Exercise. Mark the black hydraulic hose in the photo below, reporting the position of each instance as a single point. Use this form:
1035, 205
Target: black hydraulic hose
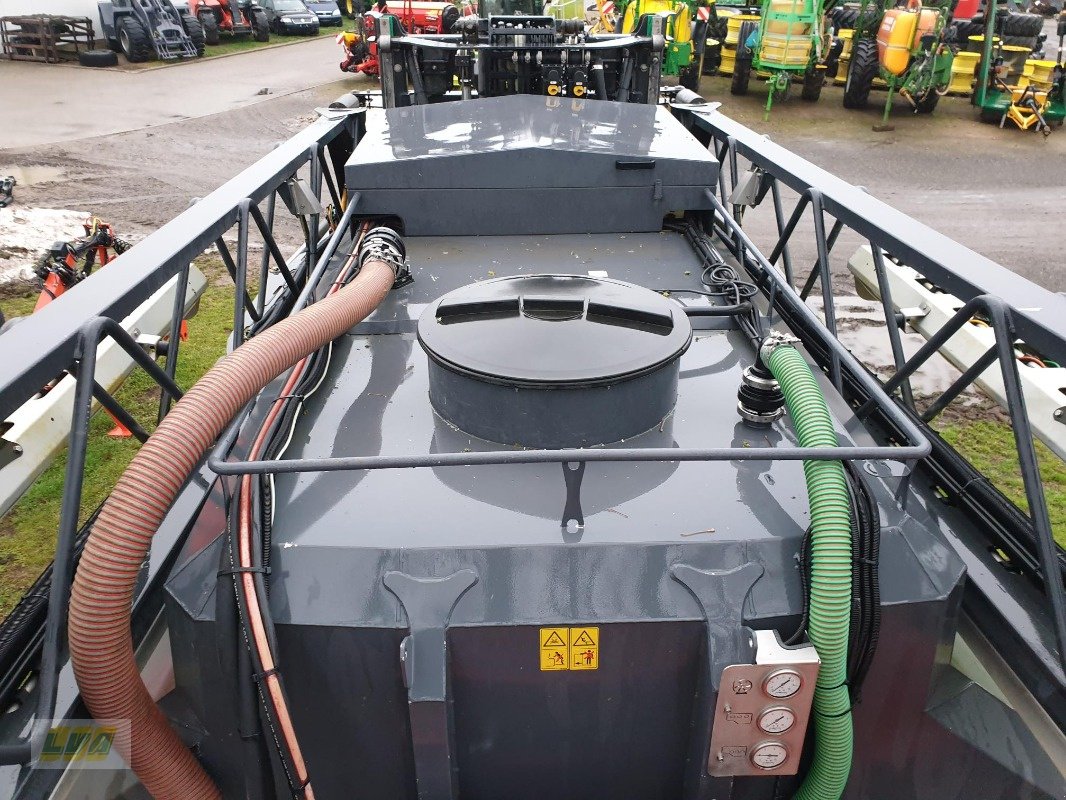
234, 659
248, 658
735, 310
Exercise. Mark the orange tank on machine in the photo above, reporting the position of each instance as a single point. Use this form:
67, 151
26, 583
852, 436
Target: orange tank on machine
900, 30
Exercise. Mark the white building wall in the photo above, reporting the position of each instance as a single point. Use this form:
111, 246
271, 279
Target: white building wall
69, 8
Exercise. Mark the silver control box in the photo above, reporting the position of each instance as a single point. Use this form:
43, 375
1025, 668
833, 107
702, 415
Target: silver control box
763, 710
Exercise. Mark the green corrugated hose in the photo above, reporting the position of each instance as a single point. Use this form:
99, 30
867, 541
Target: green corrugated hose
830, 584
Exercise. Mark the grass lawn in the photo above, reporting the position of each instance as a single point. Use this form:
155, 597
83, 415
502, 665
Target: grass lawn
28, 531
989, 445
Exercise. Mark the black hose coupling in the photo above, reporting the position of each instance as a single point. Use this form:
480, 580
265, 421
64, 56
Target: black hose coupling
385, 244
760, 400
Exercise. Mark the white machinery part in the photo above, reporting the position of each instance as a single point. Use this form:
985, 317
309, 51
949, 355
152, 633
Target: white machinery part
37, 432
927, 311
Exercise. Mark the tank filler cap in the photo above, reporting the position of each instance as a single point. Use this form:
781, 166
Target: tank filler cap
554, 360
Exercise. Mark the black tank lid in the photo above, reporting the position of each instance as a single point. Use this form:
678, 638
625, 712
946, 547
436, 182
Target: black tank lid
553, 330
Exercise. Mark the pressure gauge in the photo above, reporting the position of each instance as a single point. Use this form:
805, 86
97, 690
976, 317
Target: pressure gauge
776, 720
769, 755
783, 683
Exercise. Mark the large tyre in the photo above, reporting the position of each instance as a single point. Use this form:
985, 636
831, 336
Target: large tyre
741, 76
962, 30
926, 104
813, 80
861, 73
742, 65
196, 32
868, 19
98, 58
712, 56
1021, 25
718, 28
133, 40
689, 77
260, 25
1029, 42
209, 22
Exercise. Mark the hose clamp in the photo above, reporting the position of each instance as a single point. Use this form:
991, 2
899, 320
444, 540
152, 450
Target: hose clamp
386, 245
774, 341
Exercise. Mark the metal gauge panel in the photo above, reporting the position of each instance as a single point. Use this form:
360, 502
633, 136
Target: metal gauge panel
763, 710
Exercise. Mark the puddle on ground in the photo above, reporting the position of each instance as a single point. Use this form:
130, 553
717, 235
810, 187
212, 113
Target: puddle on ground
861, 328
32, 176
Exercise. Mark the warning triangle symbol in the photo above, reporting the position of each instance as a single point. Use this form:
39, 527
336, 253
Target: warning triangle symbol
585, 640
555, 640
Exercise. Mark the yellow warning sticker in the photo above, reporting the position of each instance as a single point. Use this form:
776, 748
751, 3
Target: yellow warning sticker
554, 649
584, 648
569, 649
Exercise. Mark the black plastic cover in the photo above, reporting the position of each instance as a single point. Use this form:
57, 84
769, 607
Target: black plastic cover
554, 330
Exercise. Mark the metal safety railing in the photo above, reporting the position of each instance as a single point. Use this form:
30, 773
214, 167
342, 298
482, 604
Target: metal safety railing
65, 337
1014, 308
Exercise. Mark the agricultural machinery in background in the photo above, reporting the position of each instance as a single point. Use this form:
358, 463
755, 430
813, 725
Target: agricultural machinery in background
1005, 91
416, 16
685, 28
790, 42
231, 18
65, 264
143, 29
906, 47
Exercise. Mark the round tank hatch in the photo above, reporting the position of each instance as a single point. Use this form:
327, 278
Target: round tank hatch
553, 360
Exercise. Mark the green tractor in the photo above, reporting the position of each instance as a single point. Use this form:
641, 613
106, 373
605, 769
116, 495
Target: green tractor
686, 34
788, 43
905, 46
1037, 102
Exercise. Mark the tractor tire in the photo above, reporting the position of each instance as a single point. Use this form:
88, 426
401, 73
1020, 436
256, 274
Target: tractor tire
209, 22
1028, 42
870, 19
964, 29
741, 76
712, 56
195, 31
845, 18
813, 81
689, 77
1021, 25
98, 58
260, 25
133, 40
718, 29
927, 104
861, 73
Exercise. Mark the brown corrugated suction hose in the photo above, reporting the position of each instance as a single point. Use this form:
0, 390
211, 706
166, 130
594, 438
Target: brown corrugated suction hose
99, 624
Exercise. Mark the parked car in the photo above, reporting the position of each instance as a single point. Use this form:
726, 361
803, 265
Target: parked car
326, 11
290, 16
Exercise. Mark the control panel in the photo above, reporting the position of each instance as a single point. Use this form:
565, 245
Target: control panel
763, 709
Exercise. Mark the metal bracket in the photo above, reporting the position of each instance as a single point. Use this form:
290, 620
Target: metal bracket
428, 603
721, 595
751, 188
299, 198
573, 472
